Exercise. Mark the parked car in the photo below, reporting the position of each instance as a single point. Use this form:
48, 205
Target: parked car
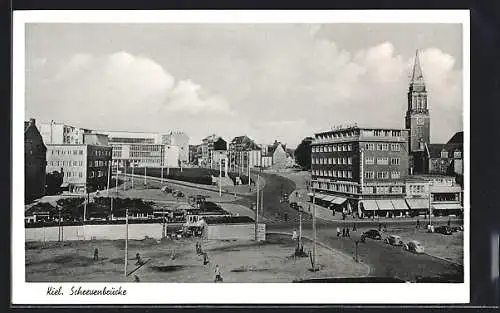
445, 230
294, 205
166, 189
372, 234
414, 246
178, 194
394, 240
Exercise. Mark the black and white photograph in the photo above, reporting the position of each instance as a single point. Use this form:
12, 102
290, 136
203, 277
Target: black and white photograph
244, 152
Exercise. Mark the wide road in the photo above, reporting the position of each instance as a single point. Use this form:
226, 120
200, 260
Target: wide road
385, 260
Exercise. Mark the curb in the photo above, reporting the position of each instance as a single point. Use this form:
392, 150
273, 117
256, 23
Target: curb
444, 259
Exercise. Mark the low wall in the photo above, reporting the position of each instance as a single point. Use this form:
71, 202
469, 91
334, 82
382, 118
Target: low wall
235, 232
97, 232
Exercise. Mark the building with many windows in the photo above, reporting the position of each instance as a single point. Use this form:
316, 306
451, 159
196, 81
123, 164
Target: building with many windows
59, 133
180, 140
244, 152
84, 167
359, 169
447, 159
34, 162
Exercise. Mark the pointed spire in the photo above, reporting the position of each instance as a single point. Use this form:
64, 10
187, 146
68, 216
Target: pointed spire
417, 76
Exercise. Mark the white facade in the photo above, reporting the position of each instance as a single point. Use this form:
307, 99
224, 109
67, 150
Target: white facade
255, 158
180, 140
57, 133
171, 156
267, 161
280, 158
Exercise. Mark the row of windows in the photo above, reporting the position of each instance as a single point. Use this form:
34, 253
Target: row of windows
65, 163
382, 161
332, 160
338, 135
66, 152
333, 173
74, 174
382, 175
99, 163
382, 189
102, 152
332, 148
382, 147
457, 154
93, 174
417, 188
336, 187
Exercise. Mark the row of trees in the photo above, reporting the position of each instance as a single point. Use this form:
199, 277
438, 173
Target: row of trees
303, 153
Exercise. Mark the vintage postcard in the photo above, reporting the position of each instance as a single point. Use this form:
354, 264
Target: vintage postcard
231, 157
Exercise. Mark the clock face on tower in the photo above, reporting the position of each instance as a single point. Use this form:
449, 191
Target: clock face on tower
419, 120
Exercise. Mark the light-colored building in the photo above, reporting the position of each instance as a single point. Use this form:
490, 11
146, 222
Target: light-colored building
84, 167
172, 156
59, 133
208, 145
361, 170
267, 161
181, 140
280, 157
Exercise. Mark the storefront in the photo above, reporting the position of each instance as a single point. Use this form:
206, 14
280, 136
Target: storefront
418, 206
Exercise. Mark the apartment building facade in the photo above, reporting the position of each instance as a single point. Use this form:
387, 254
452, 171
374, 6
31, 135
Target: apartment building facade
59, 133
84, 167
360, 169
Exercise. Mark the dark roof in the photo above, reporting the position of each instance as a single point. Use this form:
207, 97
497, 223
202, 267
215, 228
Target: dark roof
435, 150
211, 220
246, 142
26, 125
458, 138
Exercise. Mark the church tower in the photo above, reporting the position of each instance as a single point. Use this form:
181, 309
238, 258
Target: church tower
417, 118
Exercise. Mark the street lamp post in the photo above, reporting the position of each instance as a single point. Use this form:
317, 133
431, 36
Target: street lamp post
126, 242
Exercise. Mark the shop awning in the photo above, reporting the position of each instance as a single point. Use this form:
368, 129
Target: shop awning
399, 204
329, 198
446, 206
418, 204
385, 205
370, 205
310, 194
339, 200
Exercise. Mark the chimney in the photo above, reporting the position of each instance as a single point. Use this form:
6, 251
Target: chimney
32, 122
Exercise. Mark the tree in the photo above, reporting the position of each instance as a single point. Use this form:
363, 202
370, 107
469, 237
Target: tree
303, 153
53, 182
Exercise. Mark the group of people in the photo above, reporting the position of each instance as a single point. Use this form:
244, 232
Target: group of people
345, 232
199, 251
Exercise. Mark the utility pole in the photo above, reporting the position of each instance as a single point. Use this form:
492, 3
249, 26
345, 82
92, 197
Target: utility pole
145, 169
109, 178
116, 187
133, 165
85, 206
430, 207
126, 242
220, 176
314, 229
162, 175
300, 227
248, 164
124, 175
262, 201
258, 196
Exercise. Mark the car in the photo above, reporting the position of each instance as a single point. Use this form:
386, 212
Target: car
178, 194
294, 205
394, 240
414, 246
166, 189
445, 230
372, 234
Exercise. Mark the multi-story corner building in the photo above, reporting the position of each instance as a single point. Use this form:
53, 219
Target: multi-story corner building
58, 133
360, 170
85, 167
34, 162
417, 120
244, 152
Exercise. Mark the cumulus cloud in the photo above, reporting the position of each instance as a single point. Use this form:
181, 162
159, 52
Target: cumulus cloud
268, 81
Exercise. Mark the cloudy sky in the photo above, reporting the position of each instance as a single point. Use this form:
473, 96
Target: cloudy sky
268, 81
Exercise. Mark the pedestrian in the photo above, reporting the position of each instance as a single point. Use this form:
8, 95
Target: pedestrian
449, 222
138, 258
343, 232
379, 226
418, 223
218, 276
205, 258
338, 232
294, 235
347, 234
96, 254
137, 279
354, 227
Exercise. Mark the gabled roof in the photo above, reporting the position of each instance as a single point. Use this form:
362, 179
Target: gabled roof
457, 138
246, 142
